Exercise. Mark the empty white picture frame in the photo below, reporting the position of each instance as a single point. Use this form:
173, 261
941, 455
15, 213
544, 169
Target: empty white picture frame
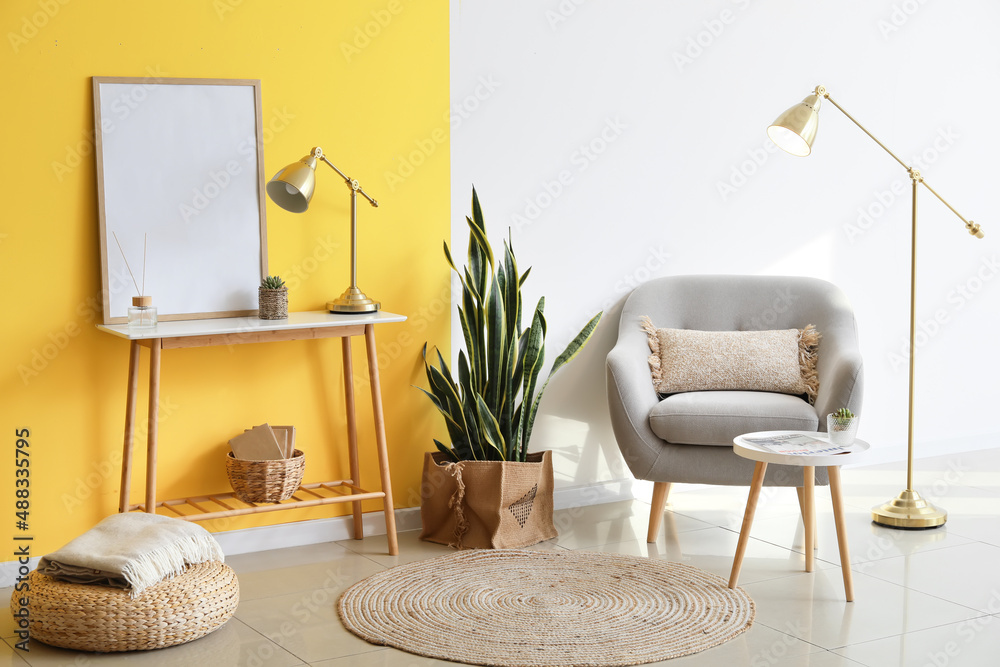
180, 163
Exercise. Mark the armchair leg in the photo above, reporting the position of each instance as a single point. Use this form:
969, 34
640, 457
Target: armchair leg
660, 492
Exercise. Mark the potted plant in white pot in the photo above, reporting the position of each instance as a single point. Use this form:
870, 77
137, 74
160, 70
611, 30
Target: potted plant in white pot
842, 427
484, 489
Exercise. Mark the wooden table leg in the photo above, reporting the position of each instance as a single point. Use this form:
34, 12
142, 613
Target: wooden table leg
130, 398
809, 515
151, 432
383, 452
741, 547
838, 517
352, 434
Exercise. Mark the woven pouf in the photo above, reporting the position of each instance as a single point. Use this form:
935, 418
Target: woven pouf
100, 618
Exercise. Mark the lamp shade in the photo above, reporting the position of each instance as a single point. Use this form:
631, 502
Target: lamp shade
292, 187
795, 130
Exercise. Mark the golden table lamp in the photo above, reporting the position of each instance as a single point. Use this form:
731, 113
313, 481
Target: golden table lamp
292, 189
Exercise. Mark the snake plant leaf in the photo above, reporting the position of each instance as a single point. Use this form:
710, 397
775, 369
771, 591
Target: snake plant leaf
447, 451
495, 326
534, 357
491, 429
447, 254
524, 276
565, 357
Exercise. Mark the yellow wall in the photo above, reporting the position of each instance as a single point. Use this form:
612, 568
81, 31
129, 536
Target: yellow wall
372, 101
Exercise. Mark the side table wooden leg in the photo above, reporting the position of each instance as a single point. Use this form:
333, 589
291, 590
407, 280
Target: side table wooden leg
809, 514
130, 398
838, 517
383, 452
352, 434
151, 432
741, 547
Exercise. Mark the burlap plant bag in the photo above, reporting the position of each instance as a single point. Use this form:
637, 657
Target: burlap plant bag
487, 504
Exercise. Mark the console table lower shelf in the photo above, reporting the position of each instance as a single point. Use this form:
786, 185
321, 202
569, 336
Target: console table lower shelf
182, 334
199, 508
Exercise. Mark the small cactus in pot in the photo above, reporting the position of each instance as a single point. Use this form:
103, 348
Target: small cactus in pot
842, 425
272, 299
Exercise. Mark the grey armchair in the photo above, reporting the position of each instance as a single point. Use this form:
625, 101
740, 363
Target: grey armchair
688, 437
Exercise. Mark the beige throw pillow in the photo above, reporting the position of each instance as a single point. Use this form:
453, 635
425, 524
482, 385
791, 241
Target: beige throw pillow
781, 361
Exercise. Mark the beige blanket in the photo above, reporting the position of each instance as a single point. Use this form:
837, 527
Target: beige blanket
132, 551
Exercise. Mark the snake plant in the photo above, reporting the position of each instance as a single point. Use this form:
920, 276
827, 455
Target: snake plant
490, 407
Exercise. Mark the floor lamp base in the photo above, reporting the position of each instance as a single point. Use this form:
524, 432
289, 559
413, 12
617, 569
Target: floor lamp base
352, 300
909, 511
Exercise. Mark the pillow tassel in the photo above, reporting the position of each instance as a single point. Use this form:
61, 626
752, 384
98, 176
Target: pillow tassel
808, 356
654, 347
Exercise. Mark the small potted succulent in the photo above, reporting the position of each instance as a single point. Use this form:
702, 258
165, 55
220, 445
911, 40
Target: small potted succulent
272, 298
842, 426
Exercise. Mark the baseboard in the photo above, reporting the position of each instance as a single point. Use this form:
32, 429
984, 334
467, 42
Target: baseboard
317, 531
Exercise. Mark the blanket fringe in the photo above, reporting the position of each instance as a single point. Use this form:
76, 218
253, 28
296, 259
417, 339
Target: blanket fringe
808, 356
169, 561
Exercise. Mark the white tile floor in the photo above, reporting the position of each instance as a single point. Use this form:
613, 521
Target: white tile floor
921, 597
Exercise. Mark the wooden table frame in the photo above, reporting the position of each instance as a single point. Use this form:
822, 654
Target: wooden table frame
806, 502
234, 331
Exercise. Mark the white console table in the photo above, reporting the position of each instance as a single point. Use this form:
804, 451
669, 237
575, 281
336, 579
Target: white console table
235, 331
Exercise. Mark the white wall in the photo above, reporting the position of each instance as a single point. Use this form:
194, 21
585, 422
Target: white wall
673, 99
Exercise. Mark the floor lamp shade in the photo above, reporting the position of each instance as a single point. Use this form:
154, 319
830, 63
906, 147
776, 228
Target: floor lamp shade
795, 130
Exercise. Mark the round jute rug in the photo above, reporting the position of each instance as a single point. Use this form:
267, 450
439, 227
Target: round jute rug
515, 607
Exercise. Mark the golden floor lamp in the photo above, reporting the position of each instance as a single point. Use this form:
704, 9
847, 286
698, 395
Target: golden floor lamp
794, 132
292, 189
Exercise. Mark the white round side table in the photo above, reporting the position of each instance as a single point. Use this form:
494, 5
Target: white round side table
832, 461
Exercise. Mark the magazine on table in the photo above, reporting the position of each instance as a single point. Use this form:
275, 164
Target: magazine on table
796, 443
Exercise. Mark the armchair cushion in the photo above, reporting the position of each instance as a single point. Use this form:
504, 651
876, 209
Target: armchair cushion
716, 417
684, 360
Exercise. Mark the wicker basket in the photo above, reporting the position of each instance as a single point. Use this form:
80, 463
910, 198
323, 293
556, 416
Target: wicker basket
88, 617
272, 303
265, 481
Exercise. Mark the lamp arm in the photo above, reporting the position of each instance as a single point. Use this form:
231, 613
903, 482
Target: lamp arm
973, 228
351, 183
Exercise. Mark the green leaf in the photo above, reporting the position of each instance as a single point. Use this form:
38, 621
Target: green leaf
446, 450
491, 429
567, 355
